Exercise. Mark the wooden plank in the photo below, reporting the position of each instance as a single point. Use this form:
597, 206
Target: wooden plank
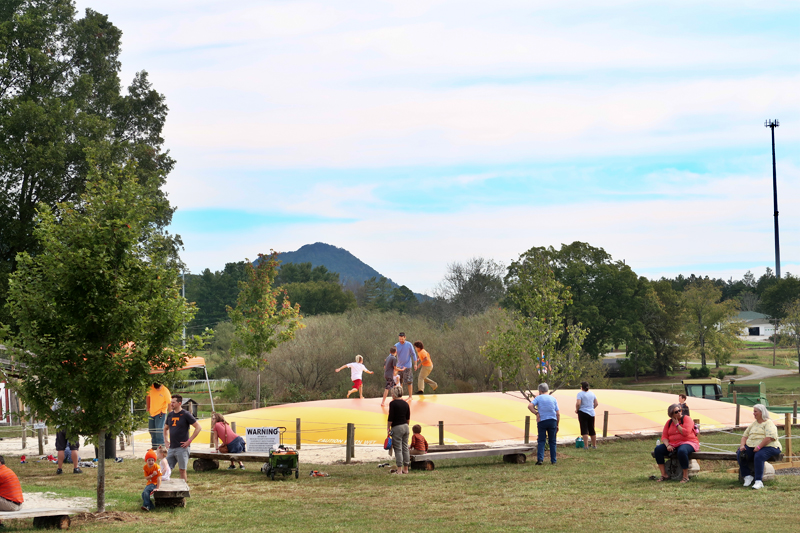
249, 457
725, 456
172, 488
460, 454
33, 513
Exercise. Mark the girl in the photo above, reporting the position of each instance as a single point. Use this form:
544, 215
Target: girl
161, 454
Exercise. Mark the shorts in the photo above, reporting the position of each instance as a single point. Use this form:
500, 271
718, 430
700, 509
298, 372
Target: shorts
389, 383
61, 442
407, 376
356, 383
586, 422
179, 456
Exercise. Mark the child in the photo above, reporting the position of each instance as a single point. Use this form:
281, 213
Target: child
419, 446
153, 476
389, 373
161, 454
356, 371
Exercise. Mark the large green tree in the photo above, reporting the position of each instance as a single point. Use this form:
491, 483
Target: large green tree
603, 293
538, 343
263, 317
97, 306
660, 314
709, 324
213, 293
59, 95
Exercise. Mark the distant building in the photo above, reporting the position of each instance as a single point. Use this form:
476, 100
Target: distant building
758, 324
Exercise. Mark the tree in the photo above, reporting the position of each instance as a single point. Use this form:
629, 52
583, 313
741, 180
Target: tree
774, 300
260, 321
303, 273
660, 315
603, 293
709, 324
97, 307
60, 95
213, 292
791, 320
538, 343
320, 297
472, 287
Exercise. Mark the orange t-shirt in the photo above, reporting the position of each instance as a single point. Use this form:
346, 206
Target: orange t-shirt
10, 488
418, 442
149, 470
425, 358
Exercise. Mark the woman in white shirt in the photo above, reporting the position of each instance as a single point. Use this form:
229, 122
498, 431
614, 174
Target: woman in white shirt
759, 443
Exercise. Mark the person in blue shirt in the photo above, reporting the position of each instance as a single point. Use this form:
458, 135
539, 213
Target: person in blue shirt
405, 354
545, 407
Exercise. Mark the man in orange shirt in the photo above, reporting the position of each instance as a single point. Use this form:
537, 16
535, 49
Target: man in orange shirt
158, 398
10, 490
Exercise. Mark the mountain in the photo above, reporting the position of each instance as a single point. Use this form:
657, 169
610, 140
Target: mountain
349, 267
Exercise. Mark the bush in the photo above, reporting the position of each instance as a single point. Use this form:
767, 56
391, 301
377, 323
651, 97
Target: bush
698, 373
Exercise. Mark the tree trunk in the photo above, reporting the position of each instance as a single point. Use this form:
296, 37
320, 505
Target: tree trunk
101, 472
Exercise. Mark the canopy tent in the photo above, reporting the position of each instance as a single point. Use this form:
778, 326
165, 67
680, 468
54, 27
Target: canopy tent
478, 417
192, 362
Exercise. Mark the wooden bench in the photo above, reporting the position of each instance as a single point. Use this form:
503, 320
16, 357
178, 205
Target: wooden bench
205, 461
171, 493
510, 455
45, 518
674, 470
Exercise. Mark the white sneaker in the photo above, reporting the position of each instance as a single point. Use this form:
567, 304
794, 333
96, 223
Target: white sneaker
748, 480
758, 485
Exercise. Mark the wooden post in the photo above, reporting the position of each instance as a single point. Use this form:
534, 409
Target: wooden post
734, 398
527, 430
441, 433
233, 427
255, 404
787, 430
45, 435
352, 440
212, 439
605, 424
297, 440
40, 437
737, 414
794, 413
122, 442
347, 455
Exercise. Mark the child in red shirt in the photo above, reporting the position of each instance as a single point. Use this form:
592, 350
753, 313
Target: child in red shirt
153, 476
419, 446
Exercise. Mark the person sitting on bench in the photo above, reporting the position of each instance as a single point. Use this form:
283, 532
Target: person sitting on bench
678, 436
759, 443
10, 490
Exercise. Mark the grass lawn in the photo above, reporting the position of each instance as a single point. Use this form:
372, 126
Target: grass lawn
603, 490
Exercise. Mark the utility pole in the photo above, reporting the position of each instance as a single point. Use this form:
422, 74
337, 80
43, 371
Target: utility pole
772, 124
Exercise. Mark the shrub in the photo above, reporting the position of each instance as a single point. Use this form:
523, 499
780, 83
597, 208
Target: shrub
698, 373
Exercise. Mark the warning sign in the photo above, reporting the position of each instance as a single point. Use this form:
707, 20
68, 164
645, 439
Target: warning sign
262, 440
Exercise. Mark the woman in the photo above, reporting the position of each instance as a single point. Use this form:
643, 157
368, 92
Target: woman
678, 435
226, 434
397, 426
584, 407
545, 407
759, 443
425, 367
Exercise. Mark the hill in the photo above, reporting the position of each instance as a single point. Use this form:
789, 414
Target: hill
349, 267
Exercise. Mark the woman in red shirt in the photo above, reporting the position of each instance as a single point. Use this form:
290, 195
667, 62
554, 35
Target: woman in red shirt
678, 436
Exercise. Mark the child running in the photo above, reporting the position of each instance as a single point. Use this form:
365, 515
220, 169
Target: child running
356, 371
153, 476
161, 454
419, 446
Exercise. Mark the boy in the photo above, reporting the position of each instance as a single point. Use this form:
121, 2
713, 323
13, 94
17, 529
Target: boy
357, 369
153, 476
419, 446
390, 368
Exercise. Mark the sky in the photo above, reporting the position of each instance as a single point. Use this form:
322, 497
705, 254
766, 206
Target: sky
416, 134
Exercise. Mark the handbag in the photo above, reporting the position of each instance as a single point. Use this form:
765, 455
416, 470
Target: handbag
387, 444
224, 447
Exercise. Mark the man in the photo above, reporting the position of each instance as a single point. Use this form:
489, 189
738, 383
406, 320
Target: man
548, 417
177, 425
405, 353
10, 490
157, 401
61, 446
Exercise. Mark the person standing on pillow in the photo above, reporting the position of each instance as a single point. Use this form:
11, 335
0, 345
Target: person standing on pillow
405, 354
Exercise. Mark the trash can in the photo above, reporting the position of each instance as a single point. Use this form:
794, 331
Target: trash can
111, 448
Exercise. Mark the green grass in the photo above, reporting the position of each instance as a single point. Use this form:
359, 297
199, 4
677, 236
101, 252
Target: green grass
603, 490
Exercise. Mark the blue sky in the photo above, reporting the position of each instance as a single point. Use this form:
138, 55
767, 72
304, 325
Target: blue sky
419, 133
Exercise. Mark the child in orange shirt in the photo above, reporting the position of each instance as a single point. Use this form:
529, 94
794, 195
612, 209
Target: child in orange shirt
153, 476
419, 446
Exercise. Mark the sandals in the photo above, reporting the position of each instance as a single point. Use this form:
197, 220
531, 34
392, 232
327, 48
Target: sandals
685, 480
662, 478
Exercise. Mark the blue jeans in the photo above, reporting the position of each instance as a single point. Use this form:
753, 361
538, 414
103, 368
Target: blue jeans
547, 430
236, 445
156, 426
683, 454
146, 502
758, 457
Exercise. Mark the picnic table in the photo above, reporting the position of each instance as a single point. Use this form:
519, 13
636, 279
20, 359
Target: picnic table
515, 454
45, 518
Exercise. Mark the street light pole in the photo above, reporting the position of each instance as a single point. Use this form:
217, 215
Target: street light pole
772, 124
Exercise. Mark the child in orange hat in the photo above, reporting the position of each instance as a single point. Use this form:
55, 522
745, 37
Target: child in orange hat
153, 476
